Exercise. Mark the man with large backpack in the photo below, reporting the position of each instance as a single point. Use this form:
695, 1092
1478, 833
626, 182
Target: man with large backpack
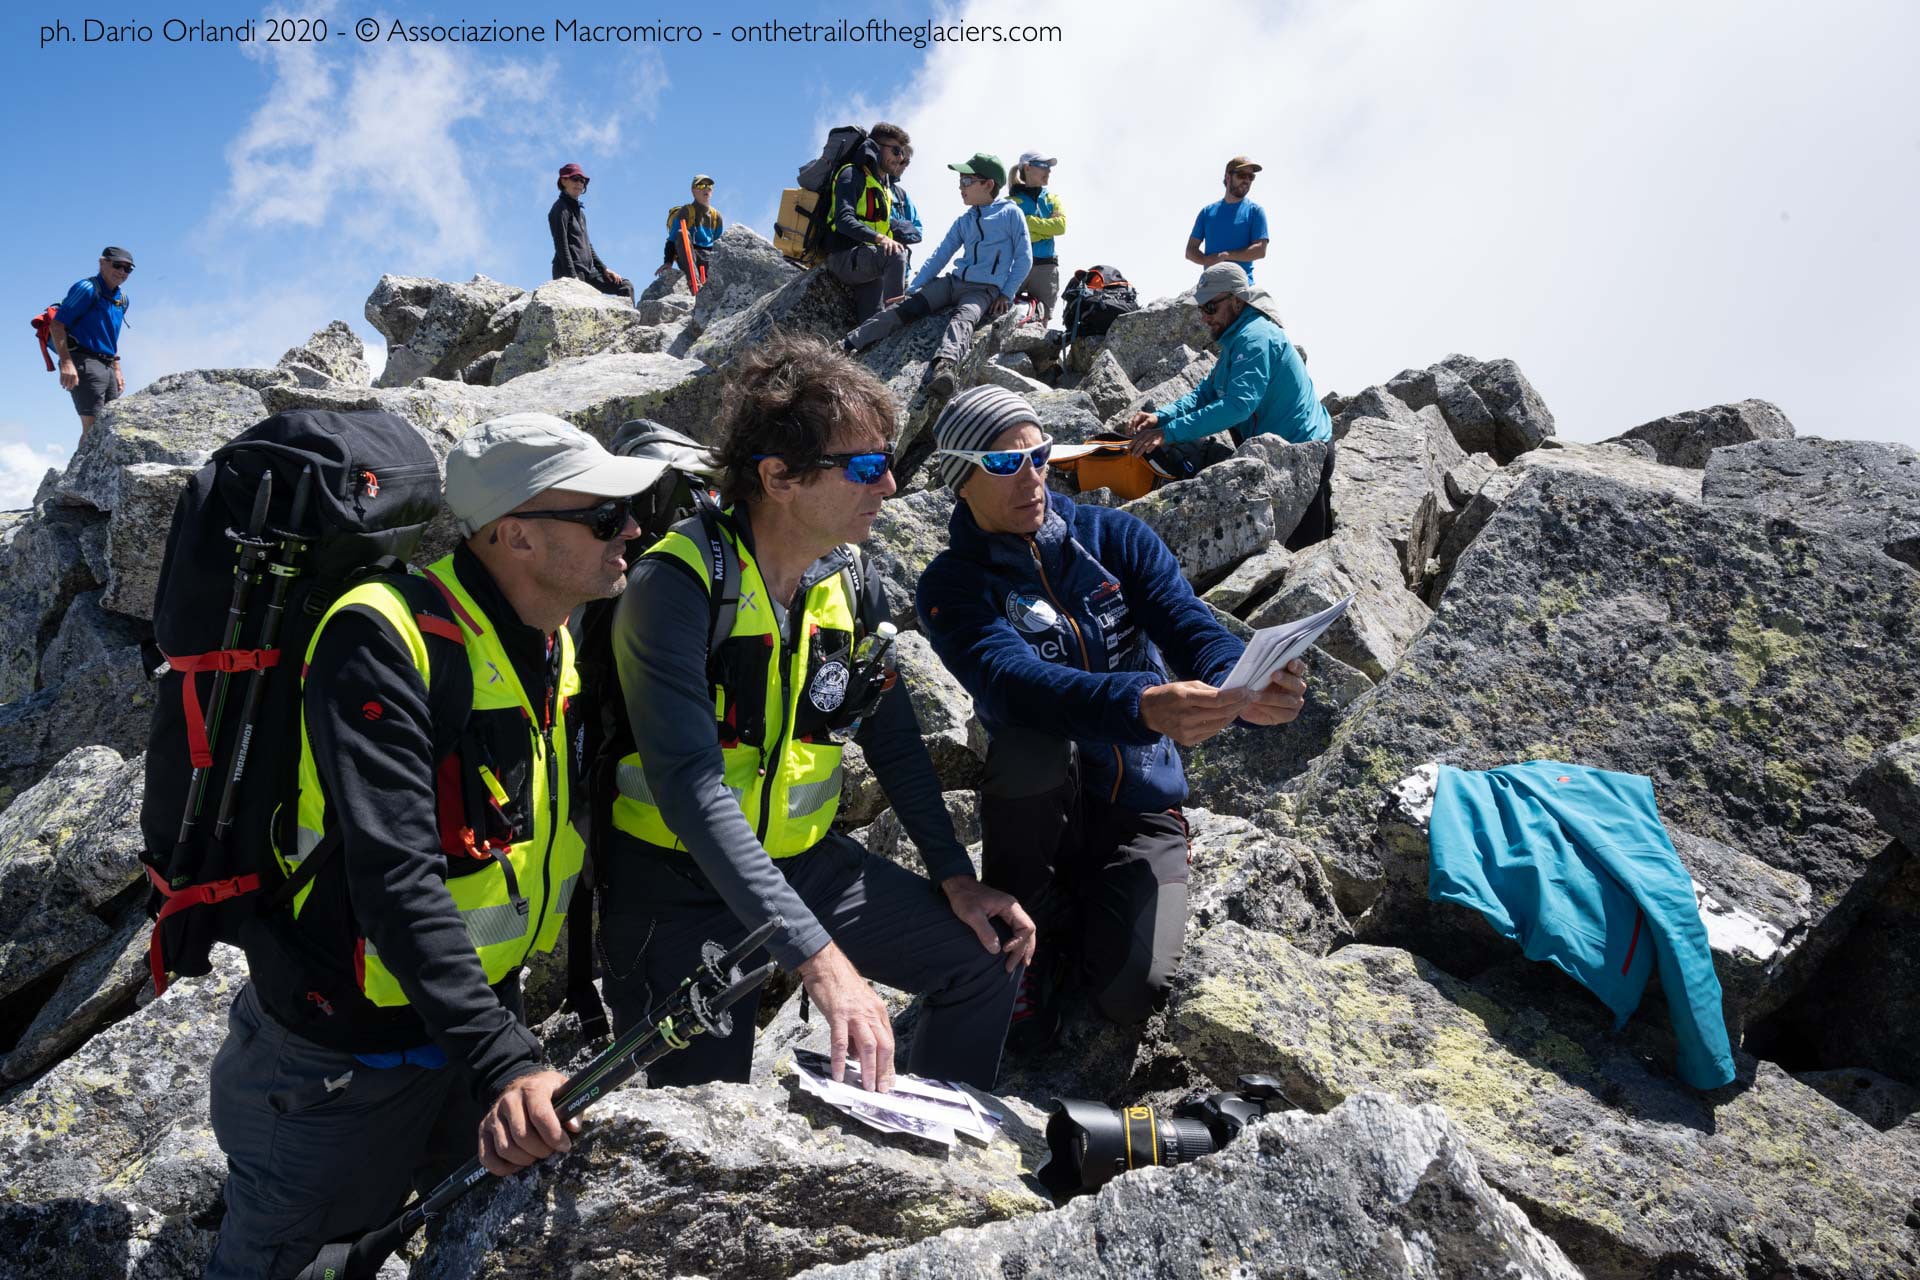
863, 249
380, 1030
750, 645
84, 332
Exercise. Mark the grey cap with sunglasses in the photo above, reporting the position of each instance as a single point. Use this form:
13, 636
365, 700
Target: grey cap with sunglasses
507, 461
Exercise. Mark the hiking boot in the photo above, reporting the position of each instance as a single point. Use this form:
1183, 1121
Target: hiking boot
941, 383
1036, 1014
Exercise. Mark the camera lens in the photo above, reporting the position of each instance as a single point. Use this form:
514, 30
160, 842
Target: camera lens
1091, 1143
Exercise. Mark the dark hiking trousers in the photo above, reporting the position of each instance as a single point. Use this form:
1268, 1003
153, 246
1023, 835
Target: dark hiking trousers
895, 926
965, 306
1316, 524
1106, 886
873, 274
320, 1147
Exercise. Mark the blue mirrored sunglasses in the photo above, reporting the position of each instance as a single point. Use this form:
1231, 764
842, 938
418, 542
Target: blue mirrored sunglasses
860, 468
1003, 462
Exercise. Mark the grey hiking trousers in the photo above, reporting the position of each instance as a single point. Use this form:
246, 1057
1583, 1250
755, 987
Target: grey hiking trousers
896, 927
320, 1147
967, 302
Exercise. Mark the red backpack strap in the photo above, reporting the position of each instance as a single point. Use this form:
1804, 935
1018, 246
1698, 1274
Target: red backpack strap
191, 665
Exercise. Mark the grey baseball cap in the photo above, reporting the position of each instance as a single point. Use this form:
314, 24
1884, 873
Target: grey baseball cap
505, 461
1218, 280
1037, 160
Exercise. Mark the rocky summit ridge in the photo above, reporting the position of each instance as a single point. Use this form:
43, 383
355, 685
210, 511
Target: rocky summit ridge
1706, 599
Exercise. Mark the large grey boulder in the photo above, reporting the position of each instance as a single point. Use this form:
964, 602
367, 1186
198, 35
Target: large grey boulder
1215, 520
333, 356
1867, 490
1257, 878
1070, 417
102, 699
44, 564
886, 838
1242, 769
568, 318
1740, 664
97, 983
907, 534
1624, 1167
1250, 582
1139, 340
1296, 476
814, 302
1372, 1189
1107, 385
178, 420
1488, 405
109, 1160
955, 739
1384, 618
1406, 481
723, 1180
436, 328
137, 534
1890, 787
1189, 372
743, 268
1688, 439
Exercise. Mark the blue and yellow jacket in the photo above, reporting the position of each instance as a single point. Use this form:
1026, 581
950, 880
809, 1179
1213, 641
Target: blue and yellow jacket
1062, 632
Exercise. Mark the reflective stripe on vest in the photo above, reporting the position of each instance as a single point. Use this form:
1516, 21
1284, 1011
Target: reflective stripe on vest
546, 863
874, 207
788, 790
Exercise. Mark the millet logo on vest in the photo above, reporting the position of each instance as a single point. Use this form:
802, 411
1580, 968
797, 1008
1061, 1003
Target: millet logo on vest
829, 687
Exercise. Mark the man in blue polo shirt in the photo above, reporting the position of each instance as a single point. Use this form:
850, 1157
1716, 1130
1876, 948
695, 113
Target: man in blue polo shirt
86, 335
1233, 228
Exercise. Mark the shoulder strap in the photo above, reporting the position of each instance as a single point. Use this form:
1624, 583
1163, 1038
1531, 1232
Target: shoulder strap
857, 580
723, 569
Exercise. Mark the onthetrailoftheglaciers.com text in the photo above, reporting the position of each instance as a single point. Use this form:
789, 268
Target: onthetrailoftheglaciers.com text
297, 30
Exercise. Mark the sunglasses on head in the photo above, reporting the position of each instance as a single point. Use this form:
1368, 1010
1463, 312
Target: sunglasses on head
604, 520
1004, 462
865, 467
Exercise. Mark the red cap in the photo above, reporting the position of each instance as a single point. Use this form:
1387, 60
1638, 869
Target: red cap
573, 171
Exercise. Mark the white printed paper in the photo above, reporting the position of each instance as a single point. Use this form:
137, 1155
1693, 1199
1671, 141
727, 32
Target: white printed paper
1272, 648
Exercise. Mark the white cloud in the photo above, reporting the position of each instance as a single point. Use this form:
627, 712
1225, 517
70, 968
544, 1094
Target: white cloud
1650, 207
22, 466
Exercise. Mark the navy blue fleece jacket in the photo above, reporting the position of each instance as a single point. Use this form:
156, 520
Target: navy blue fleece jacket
1062, 632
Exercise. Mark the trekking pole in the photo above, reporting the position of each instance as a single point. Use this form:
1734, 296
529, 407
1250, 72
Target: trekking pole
251, 549
694, 279
285, 568
698, 1007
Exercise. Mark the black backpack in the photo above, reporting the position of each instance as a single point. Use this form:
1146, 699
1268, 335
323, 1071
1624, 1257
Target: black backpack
842, 148
1094, 298
264, 538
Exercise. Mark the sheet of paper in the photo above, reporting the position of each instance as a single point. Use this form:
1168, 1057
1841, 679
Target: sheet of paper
924, 1108
1272, 648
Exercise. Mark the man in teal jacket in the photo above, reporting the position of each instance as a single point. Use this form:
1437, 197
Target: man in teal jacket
1259, 386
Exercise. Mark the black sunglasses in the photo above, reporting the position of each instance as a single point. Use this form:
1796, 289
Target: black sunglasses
604, 520
865, 467
122, 266
1208, 308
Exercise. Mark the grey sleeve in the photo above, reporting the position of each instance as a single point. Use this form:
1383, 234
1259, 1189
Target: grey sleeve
897, 753
659, 645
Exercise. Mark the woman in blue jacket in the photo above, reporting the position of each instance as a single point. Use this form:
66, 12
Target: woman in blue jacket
1055, 618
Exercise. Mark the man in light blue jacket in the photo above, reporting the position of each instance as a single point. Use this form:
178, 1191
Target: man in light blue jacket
995, 256
1259, 386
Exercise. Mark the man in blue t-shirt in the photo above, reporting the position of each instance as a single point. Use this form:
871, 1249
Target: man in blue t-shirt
1233, 228
86, 336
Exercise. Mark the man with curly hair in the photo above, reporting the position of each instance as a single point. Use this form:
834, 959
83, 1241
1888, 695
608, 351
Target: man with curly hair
738, 650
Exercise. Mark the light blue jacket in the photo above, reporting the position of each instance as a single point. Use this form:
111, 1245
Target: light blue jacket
1573, 864
1259, 386
993, 245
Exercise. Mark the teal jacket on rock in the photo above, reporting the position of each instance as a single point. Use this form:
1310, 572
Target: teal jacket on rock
1259, 386
1573, 864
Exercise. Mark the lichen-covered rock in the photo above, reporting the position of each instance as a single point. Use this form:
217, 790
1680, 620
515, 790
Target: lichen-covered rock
43, 566
97, 983
1163, 391
1172, 365
1014, 373
179, 420
1405, 481
1739, 663
109, 1161
88, 635
1108, 386
1068, 416
1890, 787
1887, 1105
1488, 405
722, 1181
907, 534
1384, 617
568, 318
955, 739
137, 534
1864, 489
107, 701
744, 267
1242, 769
436, 328
813, 303
1688, 439
888, 839
1624, 1167
1372, 1189
1296, 476
1215, 520
1141, 339
1251, 581
1257, 878
333, 356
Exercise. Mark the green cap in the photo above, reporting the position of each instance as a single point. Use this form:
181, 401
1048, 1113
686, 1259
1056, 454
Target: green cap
982, 165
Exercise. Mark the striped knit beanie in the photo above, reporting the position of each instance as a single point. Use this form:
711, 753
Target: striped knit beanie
972, 420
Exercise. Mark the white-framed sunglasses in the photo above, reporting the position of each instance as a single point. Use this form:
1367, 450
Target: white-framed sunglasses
1003, 462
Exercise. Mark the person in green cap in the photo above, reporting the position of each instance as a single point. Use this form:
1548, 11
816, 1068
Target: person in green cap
995, 256
703, 226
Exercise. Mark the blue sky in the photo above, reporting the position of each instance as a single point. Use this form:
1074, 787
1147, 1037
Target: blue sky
1650, 207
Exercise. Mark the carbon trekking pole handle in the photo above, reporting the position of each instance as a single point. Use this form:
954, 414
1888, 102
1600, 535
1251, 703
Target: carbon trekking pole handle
662, 1033
284, 569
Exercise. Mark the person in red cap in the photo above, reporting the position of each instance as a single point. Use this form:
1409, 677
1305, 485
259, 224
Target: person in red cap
573, 255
